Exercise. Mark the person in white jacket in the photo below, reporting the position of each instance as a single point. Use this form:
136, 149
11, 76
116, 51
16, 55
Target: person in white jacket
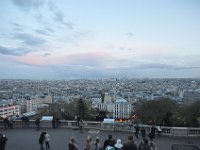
46, 140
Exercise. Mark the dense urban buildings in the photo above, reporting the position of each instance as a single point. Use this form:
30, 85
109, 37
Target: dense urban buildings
120, 95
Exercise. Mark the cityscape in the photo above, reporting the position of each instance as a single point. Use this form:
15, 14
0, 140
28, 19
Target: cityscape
85, 71
22, 96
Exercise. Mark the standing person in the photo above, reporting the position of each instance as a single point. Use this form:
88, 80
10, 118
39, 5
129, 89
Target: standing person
88, 145
118, 145
53, 123
37, 123
144, 145
81, 125
130, 145
57, 122
108, 141
137, 129
41, 140
72, 145
143, 132
3, 140
46, 140
153, 146
152, 133
96, 145
78, 120
6, 122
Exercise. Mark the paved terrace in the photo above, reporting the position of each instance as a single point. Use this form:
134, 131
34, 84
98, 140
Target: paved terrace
27, 138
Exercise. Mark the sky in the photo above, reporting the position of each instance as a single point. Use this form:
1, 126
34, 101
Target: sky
93, 39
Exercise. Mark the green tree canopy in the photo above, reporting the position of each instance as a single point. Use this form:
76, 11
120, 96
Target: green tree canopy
156, 111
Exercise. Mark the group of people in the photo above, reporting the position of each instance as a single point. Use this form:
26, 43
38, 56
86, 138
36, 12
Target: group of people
8, 123
151, 134
44, 139
112, 144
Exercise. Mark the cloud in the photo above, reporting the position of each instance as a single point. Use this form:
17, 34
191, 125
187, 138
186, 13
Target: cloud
52, 6
29, 39
130, 34
28, 5
18, 27
155, 66
43, 32
14, 51
59, 17
46, 54
50, 29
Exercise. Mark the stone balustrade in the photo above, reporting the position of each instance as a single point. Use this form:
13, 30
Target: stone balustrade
125, 127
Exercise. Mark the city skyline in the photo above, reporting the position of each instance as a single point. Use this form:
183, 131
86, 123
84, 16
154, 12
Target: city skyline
95, 39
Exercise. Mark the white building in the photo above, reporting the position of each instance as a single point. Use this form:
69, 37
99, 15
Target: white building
31, 105
9, 109
122, 109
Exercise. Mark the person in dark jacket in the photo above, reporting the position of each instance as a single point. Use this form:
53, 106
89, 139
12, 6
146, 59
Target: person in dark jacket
144, 145
130, 145
108, 141
41, 140
152, 133
3, 140
37, 123
137, 129
72, 145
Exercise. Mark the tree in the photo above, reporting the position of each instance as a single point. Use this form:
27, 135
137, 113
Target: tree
156, 111
82, 109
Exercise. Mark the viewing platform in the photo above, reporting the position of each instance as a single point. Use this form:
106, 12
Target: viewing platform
23, 138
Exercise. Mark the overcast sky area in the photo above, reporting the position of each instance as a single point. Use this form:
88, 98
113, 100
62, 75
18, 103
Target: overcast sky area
70, 39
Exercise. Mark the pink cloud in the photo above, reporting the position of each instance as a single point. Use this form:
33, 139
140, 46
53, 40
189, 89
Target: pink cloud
90, 58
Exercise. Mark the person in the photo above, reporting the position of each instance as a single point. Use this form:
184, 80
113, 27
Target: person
57, 123
96, 145
118, 145
143, 132
153, 146
53, 123
78, 120
137, 131
144, 145
108, 141
6, 123
37, 123
41, 140
88, 145
130, 145
111, 145
3, 140
159, 130
81, 125
10, 123
46, 140
72, 145
152, 133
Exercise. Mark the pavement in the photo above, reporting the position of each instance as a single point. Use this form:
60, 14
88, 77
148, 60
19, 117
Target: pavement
27, 139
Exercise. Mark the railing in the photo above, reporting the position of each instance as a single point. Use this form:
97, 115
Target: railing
184, 147
125, 127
